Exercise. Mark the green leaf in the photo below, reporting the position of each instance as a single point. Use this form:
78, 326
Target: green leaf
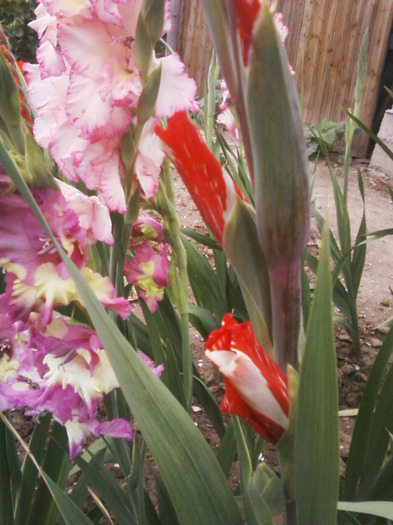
208, 401
56, 465
203, 281
202, 319
227, 451
383, 509
371, 134
359, 252
245, 470
379, 439
37, 445
156, 410
167, 512
103, 483
6, 504
174, 377
362, 438
70, 513
316, 432
201, 238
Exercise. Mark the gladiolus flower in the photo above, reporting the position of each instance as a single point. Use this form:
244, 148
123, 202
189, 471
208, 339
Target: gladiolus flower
62, 369
256, 388
84, 85
212, 189
36, 279
148, 270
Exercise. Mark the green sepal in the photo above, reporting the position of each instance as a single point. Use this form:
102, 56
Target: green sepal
153, 12
143, 47
38, 168
10, 105
128, 151
278, 148
148, 98
266, 494
249, 263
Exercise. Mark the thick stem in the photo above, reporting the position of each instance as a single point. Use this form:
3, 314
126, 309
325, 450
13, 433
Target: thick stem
291, 518
285, 289
166, 206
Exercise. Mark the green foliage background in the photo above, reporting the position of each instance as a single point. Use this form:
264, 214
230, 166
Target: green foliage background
14, 16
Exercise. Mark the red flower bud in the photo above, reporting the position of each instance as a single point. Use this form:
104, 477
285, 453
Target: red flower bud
256, 388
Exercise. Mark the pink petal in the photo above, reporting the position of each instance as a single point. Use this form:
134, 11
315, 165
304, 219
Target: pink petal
50, 60
177, 90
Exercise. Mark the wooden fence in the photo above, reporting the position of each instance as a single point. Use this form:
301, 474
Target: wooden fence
194, 43
323, 48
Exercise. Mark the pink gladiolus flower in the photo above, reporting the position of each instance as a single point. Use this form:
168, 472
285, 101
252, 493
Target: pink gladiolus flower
227, 119
92, 213
36, 279
85, 85
61, 369
256, 389
212, 189
148, 270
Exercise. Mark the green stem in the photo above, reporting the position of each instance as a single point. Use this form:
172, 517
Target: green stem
210, 101
166, 206
286, 308
291, 518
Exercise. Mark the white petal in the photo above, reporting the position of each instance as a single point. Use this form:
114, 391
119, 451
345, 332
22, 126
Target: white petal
249, 382
177, 90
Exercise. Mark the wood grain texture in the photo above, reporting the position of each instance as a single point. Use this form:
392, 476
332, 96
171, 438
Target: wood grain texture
323, 47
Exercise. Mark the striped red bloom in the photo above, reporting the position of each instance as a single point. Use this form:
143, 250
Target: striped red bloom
256, 389
211, 188
247, 12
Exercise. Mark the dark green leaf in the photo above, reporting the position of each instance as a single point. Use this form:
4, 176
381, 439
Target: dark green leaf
316, 433
362, 434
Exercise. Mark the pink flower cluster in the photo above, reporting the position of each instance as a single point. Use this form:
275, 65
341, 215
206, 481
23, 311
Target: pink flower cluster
86, 88
47, 362
87, 94
60, 368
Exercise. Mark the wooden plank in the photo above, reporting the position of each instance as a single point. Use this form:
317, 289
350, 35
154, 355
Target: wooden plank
380, 27
323, 47
194, 44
